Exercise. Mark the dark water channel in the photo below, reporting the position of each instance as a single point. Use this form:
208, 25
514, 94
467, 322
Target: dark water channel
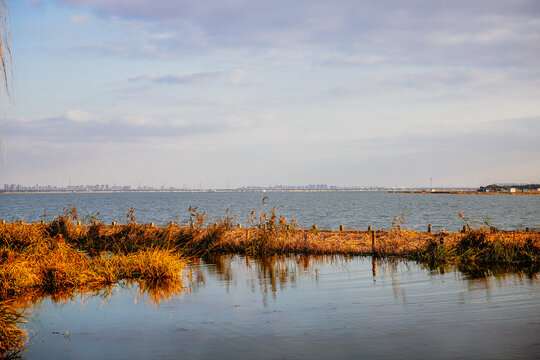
237, 307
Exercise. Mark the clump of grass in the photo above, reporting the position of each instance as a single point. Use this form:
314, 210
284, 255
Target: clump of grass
64, 224
435, 252
482, 247
52, 264
16, 236
273, 234
150, 264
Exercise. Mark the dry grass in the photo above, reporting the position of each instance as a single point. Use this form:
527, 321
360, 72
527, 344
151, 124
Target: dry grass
31, 259
270, 237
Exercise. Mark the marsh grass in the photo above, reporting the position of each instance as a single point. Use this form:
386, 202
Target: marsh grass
31, 259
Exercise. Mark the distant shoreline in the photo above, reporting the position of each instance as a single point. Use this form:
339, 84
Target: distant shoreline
464, 192
186, 191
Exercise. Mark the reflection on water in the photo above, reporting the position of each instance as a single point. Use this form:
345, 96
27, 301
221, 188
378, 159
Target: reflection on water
13, 312
297, 307
158, 291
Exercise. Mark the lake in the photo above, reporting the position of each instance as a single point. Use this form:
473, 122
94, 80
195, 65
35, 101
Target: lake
299, 307
353, 209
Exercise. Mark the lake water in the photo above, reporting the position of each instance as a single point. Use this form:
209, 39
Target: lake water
299, 308
327, 209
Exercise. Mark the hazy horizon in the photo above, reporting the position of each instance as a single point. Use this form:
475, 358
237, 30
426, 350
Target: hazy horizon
246, 93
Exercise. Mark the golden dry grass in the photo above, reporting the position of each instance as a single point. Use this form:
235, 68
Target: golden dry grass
30, 259
92, 240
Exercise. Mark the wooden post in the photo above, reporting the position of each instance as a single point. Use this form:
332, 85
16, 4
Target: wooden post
113, 223
42, 222
373, 241
464, 229
527, 229
3, 222
429, 229
239, 226
247, 235
151, 224
315, 227
341, 228
369, 228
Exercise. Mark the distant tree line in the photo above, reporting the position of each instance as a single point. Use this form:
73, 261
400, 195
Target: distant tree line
496, 187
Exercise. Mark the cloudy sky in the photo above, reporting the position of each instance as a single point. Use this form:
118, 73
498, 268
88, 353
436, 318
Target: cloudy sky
249, 92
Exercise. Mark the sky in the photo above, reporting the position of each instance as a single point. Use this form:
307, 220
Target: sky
247, 92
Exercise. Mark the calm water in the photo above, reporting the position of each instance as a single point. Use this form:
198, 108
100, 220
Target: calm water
299, 308
327, 209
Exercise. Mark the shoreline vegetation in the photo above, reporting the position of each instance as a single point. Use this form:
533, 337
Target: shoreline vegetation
67, 255
463, 192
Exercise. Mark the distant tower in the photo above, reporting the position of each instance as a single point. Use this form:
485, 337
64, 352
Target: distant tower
430, 183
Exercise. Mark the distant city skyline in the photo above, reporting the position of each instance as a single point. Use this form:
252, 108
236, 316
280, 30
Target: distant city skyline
114, 187
277, 187
228, 94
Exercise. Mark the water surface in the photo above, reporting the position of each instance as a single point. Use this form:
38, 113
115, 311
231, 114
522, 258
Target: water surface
327, 209
300, 307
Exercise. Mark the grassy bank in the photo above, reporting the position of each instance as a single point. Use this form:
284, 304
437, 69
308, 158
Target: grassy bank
107, 252
33, 259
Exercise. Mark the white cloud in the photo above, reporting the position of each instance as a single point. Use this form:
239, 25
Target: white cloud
83, 116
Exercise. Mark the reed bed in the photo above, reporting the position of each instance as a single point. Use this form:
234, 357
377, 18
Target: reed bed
86, 244
52, 266
91, 249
